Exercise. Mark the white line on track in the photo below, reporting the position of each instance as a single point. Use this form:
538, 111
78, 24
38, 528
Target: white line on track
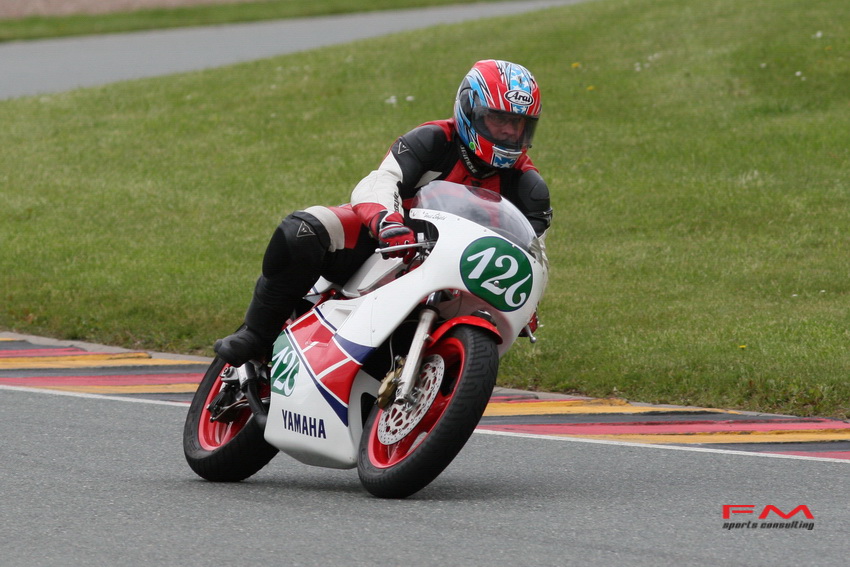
93, 396
479, 431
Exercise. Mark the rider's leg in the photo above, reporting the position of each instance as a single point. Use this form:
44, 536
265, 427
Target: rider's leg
292, 263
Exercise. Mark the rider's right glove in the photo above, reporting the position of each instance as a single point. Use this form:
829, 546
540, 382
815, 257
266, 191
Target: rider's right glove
391, 231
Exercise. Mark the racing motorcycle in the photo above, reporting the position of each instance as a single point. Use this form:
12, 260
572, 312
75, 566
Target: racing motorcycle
391, 372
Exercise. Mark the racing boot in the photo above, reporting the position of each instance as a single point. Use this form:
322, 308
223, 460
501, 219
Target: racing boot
241, 346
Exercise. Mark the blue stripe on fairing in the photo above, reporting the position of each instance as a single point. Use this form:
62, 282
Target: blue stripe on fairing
356, 351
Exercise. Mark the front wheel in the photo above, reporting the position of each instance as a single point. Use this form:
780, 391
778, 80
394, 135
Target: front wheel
221, 440
403, 449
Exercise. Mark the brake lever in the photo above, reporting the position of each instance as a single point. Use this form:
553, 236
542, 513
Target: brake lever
428, 244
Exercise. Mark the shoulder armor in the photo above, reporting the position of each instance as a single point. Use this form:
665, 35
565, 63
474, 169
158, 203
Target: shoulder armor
426, 143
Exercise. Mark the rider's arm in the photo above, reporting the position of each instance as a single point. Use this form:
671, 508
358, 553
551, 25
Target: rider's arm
532, 198
534, 195
404, 168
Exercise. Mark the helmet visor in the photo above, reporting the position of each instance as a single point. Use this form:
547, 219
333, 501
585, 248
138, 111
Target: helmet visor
506, 129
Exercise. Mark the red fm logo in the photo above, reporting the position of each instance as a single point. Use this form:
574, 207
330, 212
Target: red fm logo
729, 509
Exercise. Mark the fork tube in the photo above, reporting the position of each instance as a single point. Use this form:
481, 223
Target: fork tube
414, 358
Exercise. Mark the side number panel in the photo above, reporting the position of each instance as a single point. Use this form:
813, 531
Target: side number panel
497, 272
285, 366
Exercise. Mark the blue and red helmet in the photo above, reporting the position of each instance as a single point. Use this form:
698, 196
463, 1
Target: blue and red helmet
496, 111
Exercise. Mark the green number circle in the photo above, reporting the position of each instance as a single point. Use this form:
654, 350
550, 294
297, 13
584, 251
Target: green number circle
497, 272
285, 366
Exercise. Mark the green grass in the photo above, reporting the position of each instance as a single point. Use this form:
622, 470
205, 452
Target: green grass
40, 27
697, 151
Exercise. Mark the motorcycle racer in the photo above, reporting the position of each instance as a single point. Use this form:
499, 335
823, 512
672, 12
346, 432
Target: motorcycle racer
483, 144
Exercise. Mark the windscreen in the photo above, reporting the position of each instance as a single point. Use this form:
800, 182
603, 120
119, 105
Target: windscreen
480, 206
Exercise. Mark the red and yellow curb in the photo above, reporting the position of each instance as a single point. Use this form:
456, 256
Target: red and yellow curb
621, 421
140, 374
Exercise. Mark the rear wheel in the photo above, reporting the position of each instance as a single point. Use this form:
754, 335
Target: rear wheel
221, 440
403, 449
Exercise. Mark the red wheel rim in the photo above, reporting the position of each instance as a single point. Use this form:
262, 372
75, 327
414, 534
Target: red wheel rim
385, 456
215, 434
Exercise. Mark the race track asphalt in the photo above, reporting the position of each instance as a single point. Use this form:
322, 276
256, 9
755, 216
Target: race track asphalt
47, 66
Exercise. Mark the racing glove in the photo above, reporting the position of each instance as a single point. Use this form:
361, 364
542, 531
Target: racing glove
391, 231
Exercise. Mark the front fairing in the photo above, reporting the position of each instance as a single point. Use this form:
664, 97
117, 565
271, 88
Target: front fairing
484, 252
485, 273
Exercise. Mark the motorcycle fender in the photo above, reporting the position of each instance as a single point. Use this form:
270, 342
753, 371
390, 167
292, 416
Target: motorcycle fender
466, 320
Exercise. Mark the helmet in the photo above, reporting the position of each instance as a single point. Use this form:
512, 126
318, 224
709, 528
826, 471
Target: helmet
496, 111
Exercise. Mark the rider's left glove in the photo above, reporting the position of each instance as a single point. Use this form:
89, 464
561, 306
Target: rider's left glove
391, 231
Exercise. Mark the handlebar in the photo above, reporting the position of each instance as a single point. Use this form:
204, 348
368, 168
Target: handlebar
425, 244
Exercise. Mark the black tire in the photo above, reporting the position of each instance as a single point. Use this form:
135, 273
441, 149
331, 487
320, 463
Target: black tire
222, 451
398, 468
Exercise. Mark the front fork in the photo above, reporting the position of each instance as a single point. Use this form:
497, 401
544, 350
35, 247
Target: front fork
398, 386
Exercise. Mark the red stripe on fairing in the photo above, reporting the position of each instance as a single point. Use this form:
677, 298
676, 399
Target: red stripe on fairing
819, 454
682, 427
328, 364
104, 380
